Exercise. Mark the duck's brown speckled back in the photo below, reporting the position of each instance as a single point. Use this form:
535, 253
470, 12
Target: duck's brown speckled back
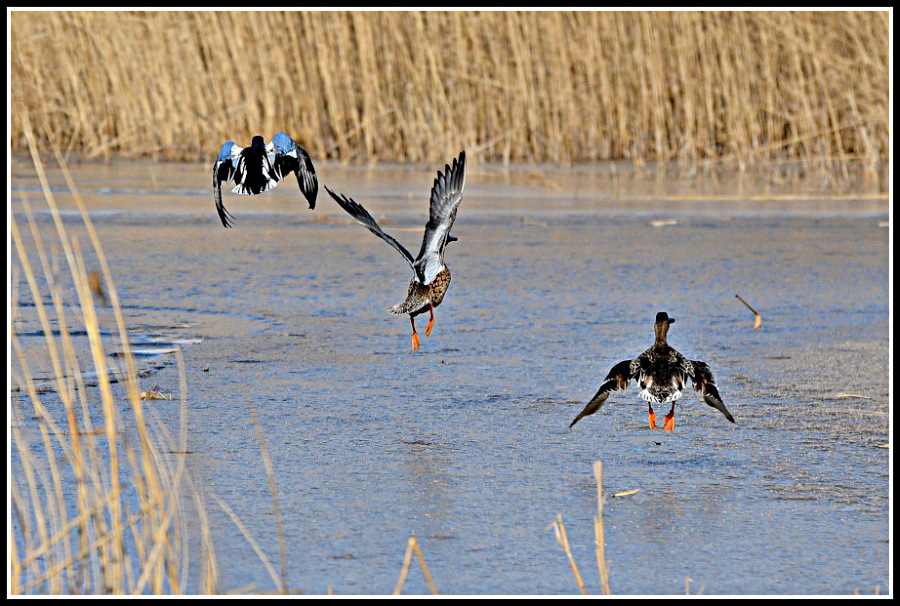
419, 296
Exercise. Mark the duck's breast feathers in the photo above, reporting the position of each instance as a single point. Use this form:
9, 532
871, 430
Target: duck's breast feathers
446, 194
362, 216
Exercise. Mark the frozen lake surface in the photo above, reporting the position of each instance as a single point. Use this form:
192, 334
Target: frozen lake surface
557, 276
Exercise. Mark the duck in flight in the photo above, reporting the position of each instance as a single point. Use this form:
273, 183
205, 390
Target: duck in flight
259, 167
662, 373
431, 276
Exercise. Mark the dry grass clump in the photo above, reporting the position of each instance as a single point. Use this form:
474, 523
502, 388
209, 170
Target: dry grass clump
689, 87
98, 489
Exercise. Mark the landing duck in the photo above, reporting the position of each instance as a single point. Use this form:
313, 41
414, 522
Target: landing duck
431, 276
662, 373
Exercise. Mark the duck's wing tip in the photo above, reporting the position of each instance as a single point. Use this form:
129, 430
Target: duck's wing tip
306, 177
446, 194
290, 157
618, 378
705, 383
220, 175
362, 216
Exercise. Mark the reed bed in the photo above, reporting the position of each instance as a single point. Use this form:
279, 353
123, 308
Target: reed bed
100, 499
533, 87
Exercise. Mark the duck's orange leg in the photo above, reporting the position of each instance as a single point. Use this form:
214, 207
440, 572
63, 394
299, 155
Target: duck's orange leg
670, 420
431, 321
415, 337
652, 417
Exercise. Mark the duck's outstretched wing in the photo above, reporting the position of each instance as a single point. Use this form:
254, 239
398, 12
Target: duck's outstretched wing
291, 158
446, 194
355, 210
223, 171
704, 382
618, 378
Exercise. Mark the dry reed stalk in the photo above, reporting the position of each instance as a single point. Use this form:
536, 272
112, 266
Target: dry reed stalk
559, 529
412, 546
687, 587
737, 88
561, 538
758, 320
267, 563
273, 489
602, 564
111, 542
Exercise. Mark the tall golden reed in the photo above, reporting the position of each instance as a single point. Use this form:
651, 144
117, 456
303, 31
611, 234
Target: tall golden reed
98, 489
418, 86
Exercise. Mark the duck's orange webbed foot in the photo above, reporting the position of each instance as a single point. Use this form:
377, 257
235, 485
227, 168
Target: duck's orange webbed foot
652, 417
670, 421
430, 321
415, 337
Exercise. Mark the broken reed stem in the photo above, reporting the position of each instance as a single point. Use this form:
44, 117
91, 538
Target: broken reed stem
413, 546
602, 564
560, 530
758, 322
273, 488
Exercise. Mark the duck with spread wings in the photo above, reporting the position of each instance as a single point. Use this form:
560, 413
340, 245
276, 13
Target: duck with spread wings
662, 373
431, 276
259, 167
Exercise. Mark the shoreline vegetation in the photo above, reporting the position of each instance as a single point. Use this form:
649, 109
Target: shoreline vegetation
98, 484
732, 89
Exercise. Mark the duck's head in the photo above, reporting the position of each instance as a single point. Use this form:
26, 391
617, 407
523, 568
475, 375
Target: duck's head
662, 326
663, 318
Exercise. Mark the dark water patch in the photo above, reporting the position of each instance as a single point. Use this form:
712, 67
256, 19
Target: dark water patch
59, 333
